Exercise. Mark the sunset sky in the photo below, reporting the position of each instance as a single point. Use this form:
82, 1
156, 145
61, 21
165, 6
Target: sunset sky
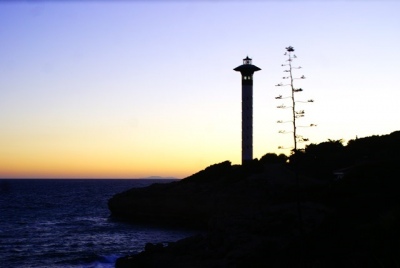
130, 89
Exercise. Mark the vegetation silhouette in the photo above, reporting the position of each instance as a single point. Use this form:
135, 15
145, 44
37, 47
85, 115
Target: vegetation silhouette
321, 160
296, 114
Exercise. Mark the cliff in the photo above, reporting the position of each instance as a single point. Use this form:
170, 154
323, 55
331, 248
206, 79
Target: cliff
244, 209
258, 216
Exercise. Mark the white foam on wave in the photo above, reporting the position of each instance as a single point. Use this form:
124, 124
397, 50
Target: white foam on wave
105, 262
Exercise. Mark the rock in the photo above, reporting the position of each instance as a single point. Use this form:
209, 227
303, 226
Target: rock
152, 248
219, 189
257, 215
233, 204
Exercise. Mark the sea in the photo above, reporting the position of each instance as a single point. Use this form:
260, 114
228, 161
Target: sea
66, 223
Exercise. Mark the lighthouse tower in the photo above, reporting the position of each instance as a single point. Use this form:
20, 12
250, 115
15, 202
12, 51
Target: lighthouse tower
247, 70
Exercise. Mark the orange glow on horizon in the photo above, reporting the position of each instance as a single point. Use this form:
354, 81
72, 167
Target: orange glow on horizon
98, 165
97, 168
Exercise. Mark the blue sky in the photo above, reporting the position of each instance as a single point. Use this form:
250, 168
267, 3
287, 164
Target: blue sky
133, 89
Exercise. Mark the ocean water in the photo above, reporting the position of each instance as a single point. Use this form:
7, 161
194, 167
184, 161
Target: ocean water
66, 223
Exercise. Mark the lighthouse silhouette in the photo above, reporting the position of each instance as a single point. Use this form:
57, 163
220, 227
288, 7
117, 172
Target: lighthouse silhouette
247, 70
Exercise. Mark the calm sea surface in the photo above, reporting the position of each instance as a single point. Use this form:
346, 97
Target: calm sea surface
66, 223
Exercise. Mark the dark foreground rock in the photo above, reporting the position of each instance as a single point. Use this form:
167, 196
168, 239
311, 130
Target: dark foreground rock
256, 216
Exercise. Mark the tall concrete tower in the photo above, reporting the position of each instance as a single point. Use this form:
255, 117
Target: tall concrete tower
247, 70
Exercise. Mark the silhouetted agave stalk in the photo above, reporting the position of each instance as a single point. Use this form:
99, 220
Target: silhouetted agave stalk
296, 114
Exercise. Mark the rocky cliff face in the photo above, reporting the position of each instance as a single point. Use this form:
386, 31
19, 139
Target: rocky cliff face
258, 216
218, 190
244, 210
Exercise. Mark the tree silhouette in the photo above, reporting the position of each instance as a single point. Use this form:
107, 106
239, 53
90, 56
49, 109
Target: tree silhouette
296, 114
271, 158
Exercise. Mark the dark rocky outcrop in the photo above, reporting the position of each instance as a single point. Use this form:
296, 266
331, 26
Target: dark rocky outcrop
250, 214
193, 201
244, 210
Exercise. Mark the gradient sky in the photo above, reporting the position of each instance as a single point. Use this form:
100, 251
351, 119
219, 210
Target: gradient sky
133, 89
